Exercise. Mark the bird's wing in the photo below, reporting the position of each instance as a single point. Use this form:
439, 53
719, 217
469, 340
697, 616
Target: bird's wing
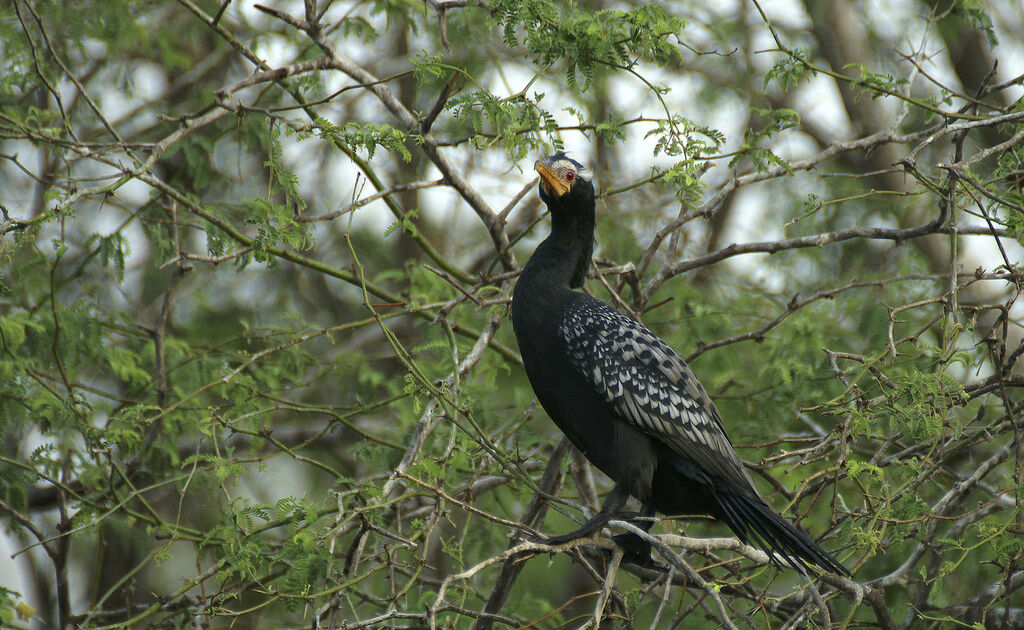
649, 386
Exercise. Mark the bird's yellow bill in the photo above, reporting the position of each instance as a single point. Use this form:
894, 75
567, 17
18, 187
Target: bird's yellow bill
551, 182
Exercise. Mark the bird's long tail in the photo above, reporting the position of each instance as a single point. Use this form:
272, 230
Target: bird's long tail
755, 523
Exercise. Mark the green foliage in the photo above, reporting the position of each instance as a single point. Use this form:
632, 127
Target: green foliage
281, 179
772, 121
276, 226
587, 40
920, 403
358, 27
370, 137
680, 136
197, 150
112, 251
427, 67
506, 122
973, 12
789, 70
873, 83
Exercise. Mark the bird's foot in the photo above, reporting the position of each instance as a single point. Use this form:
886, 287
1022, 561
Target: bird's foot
554, 541
636, 550
593, 525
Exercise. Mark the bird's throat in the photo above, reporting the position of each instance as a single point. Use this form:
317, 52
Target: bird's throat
564, 256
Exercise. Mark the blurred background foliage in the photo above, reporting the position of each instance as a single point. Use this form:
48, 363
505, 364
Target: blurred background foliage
256, 365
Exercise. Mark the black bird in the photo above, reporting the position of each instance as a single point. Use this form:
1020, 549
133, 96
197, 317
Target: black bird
624, 398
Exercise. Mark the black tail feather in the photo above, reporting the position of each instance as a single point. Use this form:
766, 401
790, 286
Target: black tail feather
755, 523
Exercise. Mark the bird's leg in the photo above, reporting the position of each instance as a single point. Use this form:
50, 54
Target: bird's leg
636, 549
615, 501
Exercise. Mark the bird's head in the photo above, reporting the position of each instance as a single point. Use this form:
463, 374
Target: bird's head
564, 181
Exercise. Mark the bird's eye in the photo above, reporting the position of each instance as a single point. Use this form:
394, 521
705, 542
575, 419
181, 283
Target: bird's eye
570, 176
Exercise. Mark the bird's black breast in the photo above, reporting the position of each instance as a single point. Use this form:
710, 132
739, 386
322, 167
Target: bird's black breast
613, 446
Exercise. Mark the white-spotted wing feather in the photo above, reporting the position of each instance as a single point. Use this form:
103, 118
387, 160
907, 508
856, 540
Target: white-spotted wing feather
649, 385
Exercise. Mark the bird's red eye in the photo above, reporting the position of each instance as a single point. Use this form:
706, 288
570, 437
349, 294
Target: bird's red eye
570, 176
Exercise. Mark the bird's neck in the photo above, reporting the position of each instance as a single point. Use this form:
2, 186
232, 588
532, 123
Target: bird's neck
564, 256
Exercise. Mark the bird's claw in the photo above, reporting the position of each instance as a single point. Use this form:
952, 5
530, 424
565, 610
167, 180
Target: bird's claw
636, 550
